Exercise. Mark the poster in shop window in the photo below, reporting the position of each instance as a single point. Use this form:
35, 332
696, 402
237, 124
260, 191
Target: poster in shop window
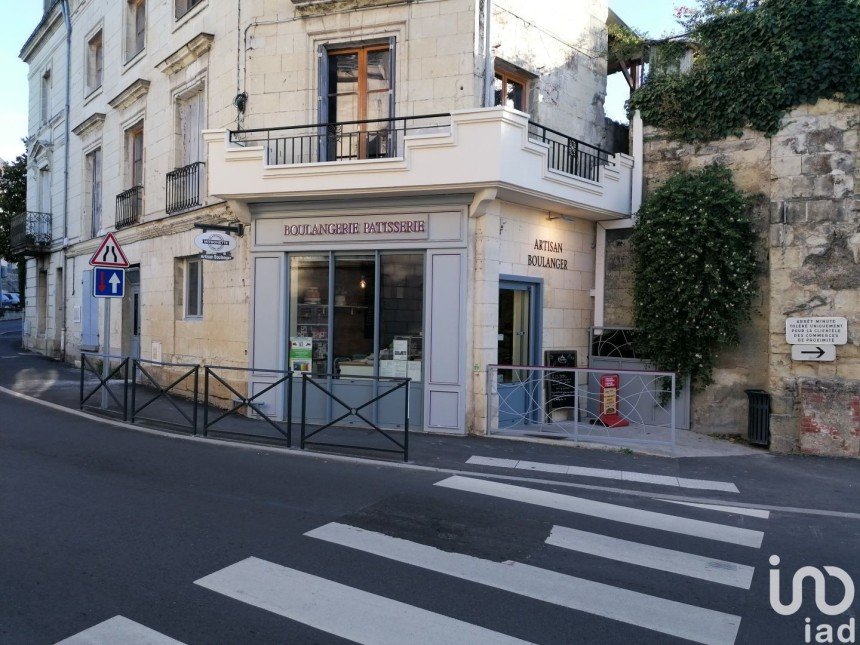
301, 353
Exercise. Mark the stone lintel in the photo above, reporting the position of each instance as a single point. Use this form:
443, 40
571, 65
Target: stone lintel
92, 122
187, 54
321, 7
130, 94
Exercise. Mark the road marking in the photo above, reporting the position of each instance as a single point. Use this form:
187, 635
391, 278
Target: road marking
344, 611
604, 473
651, 612
653, 557
739, 510
119, 629
614, 512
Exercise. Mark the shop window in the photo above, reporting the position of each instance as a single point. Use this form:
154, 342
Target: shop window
193, 288
93, 188
354, 320
309, 310
135, 28
511, 89
371, 317
95, 63
356, 84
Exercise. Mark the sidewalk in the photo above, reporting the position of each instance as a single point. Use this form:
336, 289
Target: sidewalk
757, 472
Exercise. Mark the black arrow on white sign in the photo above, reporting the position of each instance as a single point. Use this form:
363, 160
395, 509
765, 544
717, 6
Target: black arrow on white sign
817, 351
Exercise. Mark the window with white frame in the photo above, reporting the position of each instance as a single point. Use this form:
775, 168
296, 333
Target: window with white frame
134, 155
95, 62
184, 6
93, 187
190, 117
135, 28
45, 96
194, 288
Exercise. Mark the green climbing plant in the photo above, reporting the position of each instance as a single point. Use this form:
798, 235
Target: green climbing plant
755, 61
695, 271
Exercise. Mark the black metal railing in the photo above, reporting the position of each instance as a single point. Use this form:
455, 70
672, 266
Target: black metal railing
250, 403
183, 187
343, 141
361, 412
129, 206
30, 233
92, 366
161, 384
570, 155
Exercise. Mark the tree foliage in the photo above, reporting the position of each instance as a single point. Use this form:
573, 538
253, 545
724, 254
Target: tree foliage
695, 271
13, 199
755, 61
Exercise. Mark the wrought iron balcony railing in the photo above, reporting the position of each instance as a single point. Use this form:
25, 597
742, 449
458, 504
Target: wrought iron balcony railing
343, 141
183, 187
570, 155
30, 233
129, 206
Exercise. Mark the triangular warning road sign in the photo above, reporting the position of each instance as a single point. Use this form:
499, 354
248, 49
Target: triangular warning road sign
109, 254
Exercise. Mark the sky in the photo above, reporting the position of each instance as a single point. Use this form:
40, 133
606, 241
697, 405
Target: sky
18, 18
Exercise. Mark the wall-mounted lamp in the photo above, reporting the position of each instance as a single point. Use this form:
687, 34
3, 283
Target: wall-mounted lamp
362, 283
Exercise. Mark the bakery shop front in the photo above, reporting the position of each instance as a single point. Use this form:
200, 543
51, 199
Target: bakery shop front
376, 291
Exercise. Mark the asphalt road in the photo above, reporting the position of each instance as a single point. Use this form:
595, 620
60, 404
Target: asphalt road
99, 522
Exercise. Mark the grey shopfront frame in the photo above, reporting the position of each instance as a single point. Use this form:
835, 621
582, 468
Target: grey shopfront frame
438, 403
322, 408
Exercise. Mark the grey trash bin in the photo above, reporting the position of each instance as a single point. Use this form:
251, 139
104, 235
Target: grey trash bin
758, 423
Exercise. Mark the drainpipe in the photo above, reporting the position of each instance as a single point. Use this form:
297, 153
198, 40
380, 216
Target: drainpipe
487, 99
67, 19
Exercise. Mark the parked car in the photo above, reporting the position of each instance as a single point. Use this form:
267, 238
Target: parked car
10, 301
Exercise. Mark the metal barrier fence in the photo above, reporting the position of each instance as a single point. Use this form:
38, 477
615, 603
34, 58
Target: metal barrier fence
162, 392
584, 404
170, 395
250, 403
93, 364
355, 411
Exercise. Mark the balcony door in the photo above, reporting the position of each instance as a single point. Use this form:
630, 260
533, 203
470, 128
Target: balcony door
356, 100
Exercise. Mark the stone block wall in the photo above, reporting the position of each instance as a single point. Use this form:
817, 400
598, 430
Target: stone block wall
505, 237
807, 216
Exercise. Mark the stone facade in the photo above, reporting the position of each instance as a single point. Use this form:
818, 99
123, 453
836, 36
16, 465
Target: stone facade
268, 51
808, 220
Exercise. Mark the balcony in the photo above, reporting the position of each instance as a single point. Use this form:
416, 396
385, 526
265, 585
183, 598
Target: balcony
464, 152
30, 233
182, 191
129, 206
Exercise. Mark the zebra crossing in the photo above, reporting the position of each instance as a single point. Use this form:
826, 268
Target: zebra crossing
360, 616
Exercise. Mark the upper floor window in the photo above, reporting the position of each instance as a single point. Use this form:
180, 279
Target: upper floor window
135, 28
134, 154
190, 116
184, 6
94, 190
358, 86
511, 89
45, 96
95, 62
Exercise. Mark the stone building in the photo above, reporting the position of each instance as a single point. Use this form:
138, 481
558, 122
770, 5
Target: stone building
389, 168
808, 220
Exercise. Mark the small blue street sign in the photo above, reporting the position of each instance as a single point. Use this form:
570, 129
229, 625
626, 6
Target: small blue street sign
108, 283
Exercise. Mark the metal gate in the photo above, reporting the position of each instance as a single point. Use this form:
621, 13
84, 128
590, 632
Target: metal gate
614, 348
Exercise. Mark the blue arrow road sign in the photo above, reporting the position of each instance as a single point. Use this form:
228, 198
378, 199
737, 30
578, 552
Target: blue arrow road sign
108, 283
